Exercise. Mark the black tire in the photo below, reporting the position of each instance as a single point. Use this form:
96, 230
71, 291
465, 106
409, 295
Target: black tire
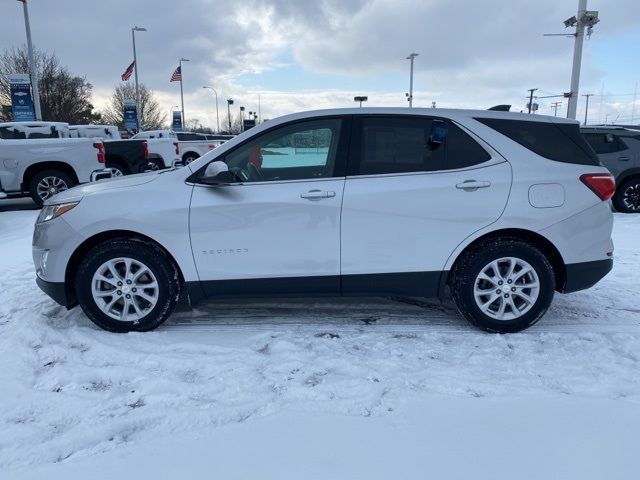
59, 175
154, 165
156, 259
627, 196
189, 157
116, 168
469, 266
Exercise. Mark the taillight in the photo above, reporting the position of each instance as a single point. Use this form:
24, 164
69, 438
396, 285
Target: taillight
100, 148
175, 144
145, 150
602, 184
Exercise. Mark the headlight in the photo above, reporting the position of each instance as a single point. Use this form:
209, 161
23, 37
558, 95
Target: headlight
54, 211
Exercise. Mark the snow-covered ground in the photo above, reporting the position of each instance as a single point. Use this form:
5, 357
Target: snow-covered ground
320, 389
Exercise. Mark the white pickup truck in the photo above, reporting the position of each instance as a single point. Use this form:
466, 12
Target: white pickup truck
42, 167
163, 151
190, 145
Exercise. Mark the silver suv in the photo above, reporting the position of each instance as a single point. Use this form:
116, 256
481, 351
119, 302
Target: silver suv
618, 149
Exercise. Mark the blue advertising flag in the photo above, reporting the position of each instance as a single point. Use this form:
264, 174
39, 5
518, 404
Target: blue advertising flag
130, 115
176, 124
21, 100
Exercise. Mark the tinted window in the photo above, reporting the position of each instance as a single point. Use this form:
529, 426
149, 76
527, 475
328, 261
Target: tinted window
190, 136
395, 145
604, 142
297, 151
10, 133
560, 142
462, 150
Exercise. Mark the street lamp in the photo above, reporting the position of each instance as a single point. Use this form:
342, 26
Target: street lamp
32, 63
410, 94
217, 112
184, 123
135, 70
360, 99
229, 103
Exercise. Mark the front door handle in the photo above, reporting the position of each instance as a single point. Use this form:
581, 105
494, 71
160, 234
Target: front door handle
317, 194
624, 159
472, 185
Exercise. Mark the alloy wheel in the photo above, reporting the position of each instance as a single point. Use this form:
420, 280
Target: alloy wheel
631, 197
49, 186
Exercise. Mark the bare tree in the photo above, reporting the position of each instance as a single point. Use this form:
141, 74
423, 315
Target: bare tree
150, 116
236, 124
64, 97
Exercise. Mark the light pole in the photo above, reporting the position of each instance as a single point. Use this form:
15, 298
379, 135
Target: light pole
135, 70
217, 112
229, 103
360, 99
32, 63
586, 108
410, 95
184, 122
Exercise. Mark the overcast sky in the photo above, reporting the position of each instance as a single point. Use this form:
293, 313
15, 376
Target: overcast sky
306, 54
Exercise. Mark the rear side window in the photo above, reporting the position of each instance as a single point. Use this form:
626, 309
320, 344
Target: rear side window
462, 150
560, 142
604, 143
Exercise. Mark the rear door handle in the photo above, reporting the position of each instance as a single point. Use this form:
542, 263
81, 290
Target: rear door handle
472, 185
624, 159
317, 194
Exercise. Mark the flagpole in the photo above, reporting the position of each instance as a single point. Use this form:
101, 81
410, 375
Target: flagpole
135, 69
184, 123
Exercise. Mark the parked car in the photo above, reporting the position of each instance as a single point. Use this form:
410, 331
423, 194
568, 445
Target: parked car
106, 132
126, 157
618, 149
500, 208
33, 130
161, 152
40, 168
190, 145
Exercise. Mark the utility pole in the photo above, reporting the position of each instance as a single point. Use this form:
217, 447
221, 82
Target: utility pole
184, 122
32, 63
555, 106
259, 112
410, 95
530, 106
586, 108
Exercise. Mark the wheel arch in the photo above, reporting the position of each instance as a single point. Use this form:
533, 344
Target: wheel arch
627, 175
539, 241
35, 168
82, 249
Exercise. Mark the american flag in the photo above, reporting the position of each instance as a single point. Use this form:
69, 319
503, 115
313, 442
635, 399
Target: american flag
127, 73
177, 75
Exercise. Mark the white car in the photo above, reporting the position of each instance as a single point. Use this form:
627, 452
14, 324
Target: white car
501, 209
190, 145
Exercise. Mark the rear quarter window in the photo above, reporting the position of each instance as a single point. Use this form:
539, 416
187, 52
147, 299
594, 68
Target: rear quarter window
559, 142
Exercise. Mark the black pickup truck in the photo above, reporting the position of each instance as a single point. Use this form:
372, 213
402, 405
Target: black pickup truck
125, 157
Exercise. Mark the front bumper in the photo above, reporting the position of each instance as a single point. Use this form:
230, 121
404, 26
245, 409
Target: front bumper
585, 274
55, 290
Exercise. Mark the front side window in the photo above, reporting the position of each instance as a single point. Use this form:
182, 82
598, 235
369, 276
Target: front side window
298, 151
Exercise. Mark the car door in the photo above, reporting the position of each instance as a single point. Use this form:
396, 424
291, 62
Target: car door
277, 230
612, 152
409, 201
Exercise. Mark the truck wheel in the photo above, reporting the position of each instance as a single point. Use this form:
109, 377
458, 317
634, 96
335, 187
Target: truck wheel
116, 170
627, 196
189, 157
127, 285
503, 285
47, 183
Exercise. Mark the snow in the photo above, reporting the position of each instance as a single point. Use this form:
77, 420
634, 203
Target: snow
364, 388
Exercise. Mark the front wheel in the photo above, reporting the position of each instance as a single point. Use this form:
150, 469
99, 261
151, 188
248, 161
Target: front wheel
627, 196
503, 285
127, 285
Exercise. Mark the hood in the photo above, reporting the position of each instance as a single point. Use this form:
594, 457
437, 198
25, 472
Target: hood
76, 193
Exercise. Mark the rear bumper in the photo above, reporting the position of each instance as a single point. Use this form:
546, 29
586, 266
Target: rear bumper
55, 290
100, 175
585, 274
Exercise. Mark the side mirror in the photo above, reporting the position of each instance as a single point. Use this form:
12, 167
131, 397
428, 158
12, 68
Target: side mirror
438, 133
217, 173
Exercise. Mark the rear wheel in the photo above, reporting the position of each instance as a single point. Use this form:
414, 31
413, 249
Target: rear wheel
127, 285
189, 157
47, 183
116, 170
503, 285
627, 196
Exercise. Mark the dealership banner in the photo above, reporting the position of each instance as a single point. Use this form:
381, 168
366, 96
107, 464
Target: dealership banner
176, 124
130, 115
21, 99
